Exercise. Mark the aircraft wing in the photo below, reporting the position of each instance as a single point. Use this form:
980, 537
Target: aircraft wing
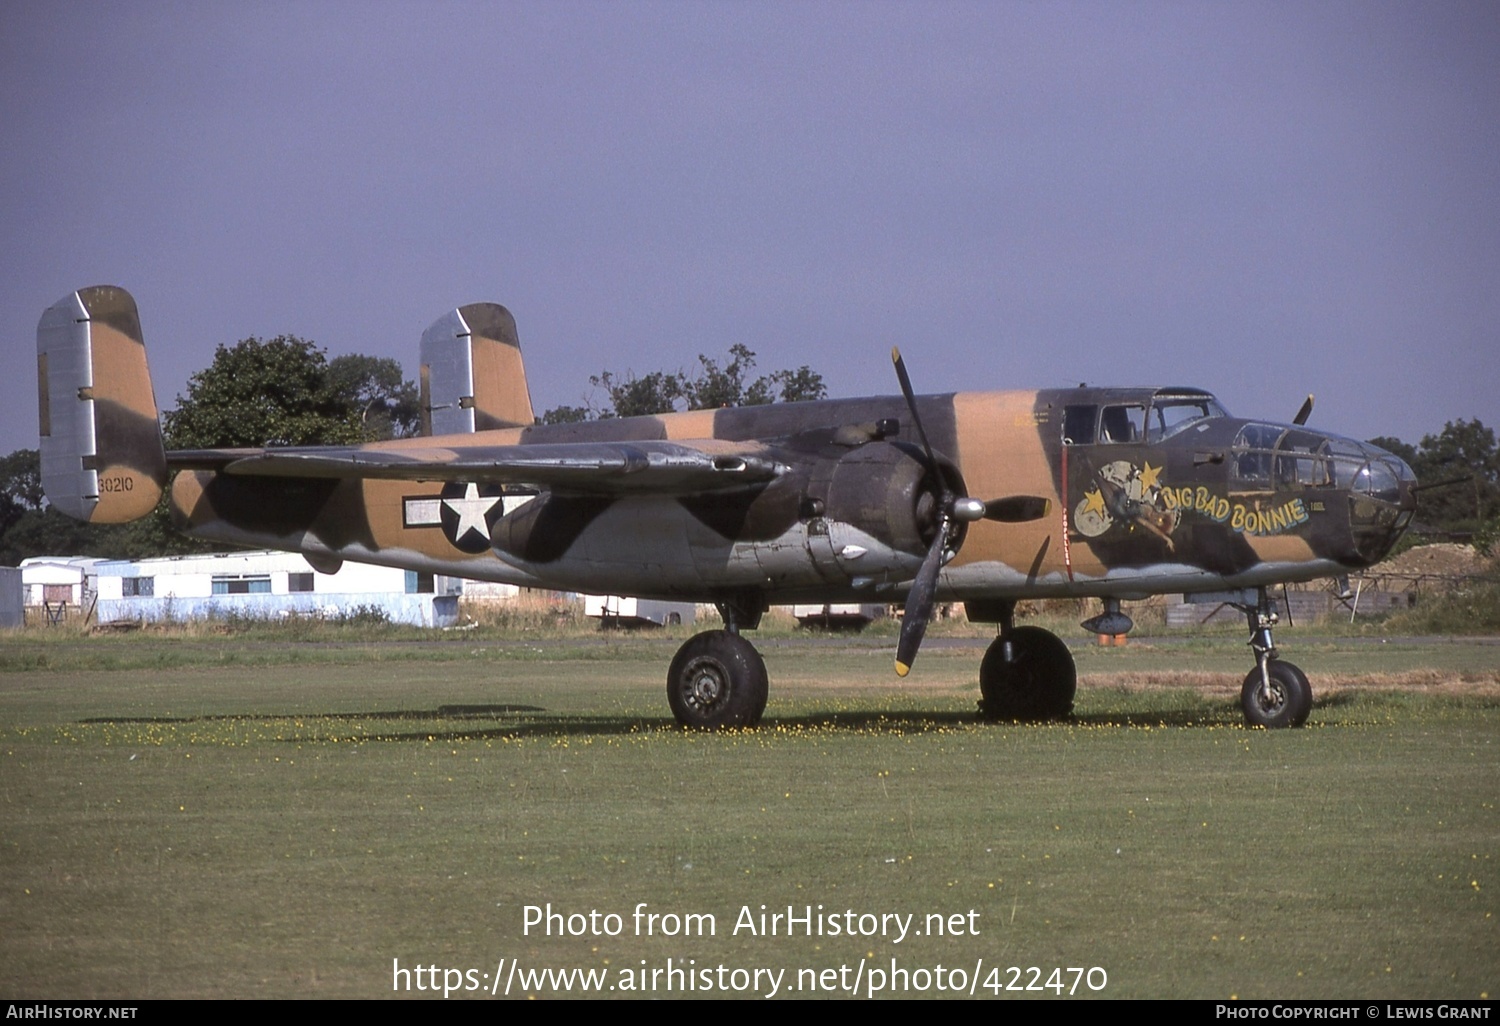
599, 468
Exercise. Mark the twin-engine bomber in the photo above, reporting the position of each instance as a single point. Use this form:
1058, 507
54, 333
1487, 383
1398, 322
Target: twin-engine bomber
986, 498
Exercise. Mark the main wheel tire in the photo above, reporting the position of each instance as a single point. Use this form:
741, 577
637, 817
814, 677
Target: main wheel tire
717, 680
1037, 684
1289, 702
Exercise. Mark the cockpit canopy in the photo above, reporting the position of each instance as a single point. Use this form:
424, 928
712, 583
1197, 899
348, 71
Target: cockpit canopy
1139, 416
1291, 458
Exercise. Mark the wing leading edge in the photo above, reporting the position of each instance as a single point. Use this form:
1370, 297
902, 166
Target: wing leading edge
590, 468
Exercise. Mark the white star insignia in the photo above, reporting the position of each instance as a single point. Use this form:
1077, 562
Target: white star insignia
471, 510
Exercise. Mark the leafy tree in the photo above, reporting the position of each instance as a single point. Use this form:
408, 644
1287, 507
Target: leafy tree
255, 393
567, 415
264, 393
387, 405
1465, 453
799, 386
47, 533
715, 385
1398, 448
20, 485
29, 526
1463, 447
657, 392
1487, 538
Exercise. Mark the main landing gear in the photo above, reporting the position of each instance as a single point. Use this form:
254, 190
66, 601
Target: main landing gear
1276, 693
717, 678
1027, 673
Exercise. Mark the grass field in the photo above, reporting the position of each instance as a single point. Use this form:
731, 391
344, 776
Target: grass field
241, 816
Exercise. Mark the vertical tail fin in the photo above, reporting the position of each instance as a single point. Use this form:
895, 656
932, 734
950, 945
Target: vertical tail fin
472, 376
101, 447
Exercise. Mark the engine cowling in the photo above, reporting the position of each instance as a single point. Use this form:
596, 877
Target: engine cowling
885, 490
867, 518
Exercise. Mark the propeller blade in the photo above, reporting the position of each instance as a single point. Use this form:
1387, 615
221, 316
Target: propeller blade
950, 507
911, 404
919, 603
1305, 412
1017, 509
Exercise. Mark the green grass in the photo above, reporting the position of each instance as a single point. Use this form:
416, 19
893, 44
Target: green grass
228, 817
1474, 609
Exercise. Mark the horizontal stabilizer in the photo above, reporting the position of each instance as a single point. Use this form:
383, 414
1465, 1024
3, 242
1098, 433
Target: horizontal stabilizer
101, 448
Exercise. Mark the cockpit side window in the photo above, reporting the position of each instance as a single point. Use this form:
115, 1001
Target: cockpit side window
1078, 424
1253, 454
1169, 415
1122, 424
1300, 461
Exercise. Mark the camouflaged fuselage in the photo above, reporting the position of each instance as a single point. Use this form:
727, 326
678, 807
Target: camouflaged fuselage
1146, 495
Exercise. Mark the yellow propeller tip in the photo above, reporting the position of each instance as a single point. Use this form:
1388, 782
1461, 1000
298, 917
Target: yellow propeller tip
902, 669
895, 354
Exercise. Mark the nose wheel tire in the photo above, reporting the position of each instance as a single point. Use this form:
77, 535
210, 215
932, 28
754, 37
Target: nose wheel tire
717, 680
1036, 683
1287, 703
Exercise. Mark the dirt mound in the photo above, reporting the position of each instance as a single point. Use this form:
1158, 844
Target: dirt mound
1445, 559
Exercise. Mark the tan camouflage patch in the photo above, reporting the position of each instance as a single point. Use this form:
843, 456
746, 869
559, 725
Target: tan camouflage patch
1282, 548
125, 494
1000, 453
187, 501
120, 373
690, 425
501, 398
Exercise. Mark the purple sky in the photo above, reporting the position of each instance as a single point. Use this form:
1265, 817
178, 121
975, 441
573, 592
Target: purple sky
1264, 200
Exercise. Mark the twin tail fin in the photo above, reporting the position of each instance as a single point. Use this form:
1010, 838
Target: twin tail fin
101, 444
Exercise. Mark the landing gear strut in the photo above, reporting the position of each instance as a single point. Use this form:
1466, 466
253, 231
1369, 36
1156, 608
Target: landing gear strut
1275, 693
1027, 673
717, 678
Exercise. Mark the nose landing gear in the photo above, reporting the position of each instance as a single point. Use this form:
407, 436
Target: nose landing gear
1276, 693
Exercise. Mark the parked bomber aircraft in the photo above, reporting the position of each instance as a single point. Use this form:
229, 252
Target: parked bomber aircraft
983, 497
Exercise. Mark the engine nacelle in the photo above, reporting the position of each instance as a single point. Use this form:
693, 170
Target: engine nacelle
858, 520
885, 490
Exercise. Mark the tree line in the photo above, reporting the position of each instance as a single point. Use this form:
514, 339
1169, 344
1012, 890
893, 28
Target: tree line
285, 391
1460, 470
